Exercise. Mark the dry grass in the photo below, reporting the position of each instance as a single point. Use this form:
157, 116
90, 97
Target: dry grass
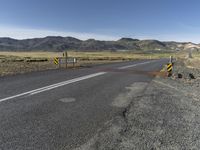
117, 55
20, 62
89, 55
190, 62
32, 54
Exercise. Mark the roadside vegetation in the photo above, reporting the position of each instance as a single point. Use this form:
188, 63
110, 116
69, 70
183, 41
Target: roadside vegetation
193, 62
21, 62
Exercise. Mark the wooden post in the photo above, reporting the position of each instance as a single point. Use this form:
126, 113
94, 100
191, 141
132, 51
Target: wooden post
66, 59
59, 60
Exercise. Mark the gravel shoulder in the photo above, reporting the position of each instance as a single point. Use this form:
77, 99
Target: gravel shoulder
165, 114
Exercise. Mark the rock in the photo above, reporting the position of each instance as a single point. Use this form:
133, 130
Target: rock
191, 76
180, 76
169, 74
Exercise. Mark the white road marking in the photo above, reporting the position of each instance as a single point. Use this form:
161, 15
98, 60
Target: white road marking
67, 82
53, 86
130, 66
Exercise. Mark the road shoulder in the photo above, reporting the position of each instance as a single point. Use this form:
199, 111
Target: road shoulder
164, 116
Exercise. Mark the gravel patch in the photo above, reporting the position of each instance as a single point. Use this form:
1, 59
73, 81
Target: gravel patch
166, 115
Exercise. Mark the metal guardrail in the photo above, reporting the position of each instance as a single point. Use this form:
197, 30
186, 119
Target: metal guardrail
63, 60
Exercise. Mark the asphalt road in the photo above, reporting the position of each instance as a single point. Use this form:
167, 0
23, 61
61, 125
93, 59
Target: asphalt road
59, 109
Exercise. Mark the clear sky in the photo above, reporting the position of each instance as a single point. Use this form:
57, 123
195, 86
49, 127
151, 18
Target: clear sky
177, 20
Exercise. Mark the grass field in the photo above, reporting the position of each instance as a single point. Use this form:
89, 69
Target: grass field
20, 62
193, 62
88, 55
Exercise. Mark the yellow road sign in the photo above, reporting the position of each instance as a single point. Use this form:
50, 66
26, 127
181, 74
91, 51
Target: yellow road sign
56, 60
169, 67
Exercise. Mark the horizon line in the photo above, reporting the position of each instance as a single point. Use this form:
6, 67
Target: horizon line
27, 33
148, 39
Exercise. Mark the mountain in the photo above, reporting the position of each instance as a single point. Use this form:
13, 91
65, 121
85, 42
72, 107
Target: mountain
58, 43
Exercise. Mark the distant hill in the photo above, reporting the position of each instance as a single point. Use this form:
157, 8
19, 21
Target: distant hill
57, 43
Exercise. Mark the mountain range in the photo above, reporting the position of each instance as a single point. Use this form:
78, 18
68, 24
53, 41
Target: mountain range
58, 43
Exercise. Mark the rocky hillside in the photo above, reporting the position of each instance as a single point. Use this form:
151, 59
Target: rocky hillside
54, 43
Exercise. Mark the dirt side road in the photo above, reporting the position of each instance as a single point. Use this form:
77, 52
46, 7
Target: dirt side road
166, 116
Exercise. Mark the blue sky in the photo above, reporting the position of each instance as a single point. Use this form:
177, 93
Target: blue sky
166, 20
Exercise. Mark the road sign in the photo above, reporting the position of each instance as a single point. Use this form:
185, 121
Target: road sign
56, 60
70, 60
169, 67
64, 60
